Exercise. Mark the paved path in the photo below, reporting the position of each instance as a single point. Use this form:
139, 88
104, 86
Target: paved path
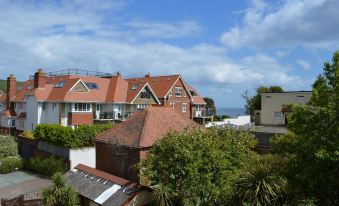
17, 183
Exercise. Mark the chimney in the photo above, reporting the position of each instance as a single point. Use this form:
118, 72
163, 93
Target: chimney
147, 75
118, 74
39, 79
11, 90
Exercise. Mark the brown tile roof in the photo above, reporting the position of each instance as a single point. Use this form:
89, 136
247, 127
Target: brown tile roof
117, 90
144, 127
197, 99
131, 92
107, 176
160, 84
22, 115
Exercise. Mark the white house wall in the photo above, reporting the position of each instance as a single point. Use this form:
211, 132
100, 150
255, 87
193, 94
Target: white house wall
32, 113
85, 156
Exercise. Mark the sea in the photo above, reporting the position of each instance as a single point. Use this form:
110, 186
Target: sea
231, 111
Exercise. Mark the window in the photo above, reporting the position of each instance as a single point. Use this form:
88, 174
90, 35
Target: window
142, 106
59, 84
135, 86
21, 124
278, 115
170, 93
54, 106
91, 85
178, 91
13, 123
21, 106
268, 97
172, 104
44, 106
145, 94
82, 107
184, 107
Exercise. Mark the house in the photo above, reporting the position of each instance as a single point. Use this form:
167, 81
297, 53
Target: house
123, 146
173, 90
77, 97
272, 106
100, 188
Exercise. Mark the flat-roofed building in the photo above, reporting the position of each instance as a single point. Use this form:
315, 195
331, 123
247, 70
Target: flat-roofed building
272, 105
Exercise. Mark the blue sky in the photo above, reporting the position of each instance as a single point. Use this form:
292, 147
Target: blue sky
220, 47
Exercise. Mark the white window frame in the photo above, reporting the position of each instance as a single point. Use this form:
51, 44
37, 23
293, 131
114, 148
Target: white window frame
184, 107
85, 107
54, 105
178, 91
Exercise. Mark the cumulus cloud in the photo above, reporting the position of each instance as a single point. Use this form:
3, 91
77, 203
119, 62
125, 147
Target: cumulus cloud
288, 23
83, 35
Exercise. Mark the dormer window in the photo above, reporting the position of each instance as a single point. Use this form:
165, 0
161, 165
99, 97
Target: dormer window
178, 91
145, 94
59, 84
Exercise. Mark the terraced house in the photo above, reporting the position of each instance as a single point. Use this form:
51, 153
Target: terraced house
78, 97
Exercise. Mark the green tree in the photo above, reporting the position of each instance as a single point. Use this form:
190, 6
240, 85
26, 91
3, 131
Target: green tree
197, 167
254, 102
313, 141
59, 193
211, 109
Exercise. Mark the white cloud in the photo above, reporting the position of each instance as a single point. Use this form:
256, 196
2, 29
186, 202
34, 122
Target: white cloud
304, 64
166, 30
66, 35
288, 23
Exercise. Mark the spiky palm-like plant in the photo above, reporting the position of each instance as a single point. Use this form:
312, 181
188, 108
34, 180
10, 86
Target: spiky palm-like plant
161, 195
59, 193
260, 184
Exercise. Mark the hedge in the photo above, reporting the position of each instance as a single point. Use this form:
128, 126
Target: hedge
8, 147
82, 136
46, 166
10, 164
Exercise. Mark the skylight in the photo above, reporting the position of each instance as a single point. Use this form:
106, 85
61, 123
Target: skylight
59, 84
91, 85
135, 86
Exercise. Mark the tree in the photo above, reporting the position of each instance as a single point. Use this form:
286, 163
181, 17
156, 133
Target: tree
197, 167
260, 183
59, 193
313, 141
254, 102
211, 109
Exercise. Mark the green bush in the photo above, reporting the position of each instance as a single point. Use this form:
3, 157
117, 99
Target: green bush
28, 134
46, 166
10, 164
8, 147
82, 136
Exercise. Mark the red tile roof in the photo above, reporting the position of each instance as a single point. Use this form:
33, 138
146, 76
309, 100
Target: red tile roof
9, 113
144, 127
160, 84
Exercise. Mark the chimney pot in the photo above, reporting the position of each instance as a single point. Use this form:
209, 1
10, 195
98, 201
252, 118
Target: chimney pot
118, 74
147, 75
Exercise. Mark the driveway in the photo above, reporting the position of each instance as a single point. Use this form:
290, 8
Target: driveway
20, 182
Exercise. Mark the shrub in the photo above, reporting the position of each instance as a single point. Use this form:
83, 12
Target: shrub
46, 166
8, 147
82, 136
10, 164
28, 134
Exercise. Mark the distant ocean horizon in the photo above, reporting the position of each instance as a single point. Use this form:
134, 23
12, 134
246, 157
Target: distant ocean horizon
231, 111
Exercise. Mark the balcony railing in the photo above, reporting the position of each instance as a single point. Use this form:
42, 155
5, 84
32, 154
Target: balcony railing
201, 113
113, 116
80, 72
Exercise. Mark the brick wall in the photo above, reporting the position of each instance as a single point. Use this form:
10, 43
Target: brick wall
117, 160
178, 101
80, 118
